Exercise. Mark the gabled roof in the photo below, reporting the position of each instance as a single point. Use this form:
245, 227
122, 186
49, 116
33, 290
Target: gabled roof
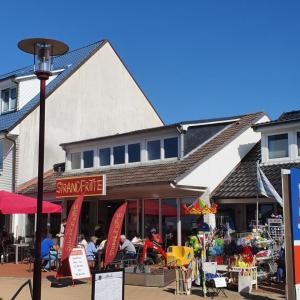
242, 181
166, 172
70, 62
285, 118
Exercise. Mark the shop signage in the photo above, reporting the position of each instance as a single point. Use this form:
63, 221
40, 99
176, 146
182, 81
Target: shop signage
108, 285
113, 238
295, 214
70, 237
85, 185
79, 264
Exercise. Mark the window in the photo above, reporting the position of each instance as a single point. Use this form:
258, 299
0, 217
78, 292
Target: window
171, 147
5, 100
1, 155
88, 159
104, 156
153, 148
8, 100
134, 153
119, 155
278, 146
13, 99
75, 160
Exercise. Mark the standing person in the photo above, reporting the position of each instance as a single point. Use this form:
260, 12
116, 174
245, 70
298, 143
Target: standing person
127, 247
62, 232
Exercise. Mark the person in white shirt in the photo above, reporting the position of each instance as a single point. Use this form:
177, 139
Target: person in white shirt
82, 241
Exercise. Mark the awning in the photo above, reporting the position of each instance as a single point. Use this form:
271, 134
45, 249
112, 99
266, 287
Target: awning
11, 203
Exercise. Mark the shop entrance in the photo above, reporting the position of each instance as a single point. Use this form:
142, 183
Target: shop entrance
106, 210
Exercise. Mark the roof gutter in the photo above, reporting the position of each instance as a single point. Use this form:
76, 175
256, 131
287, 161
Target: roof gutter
188, 187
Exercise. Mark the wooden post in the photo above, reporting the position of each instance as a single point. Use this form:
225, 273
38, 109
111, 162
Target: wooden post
289, 264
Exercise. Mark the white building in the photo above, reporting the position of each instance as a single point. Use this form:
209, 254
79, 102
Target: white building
91, 93
278, 149
156, 171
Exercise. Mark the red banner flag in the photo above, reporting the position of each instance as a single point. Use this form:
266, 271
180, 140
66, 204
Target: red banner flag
113, 239
70, 237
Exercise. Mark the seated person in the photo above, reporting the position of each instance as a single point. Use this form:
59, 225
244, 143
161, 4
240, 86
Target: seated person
82, 241
137, 239
48, 251
127, 247
91, 249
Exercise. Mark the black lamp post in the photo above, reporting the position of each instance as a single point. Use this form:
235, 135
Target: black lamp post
43, 51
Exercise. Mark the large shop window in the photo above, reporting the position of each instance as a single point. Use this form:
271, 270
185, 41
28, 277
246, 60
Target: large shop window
169, 221
151, 215
75, 160
133, 218
153, 148
104, 156
278, 146
119, 155
171, 147
134, 153
88, 159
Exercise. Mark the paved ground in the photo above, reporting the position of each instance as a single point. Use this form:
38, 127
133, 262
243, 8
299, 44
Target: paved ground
13, 276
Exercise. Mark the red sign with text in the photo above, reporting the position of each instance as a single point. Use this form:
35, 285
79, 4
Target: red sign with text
70, 237
85, 185
113, 239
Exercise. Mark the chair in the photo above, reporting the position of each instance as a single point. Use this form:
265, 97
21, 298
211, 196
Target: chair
215, 284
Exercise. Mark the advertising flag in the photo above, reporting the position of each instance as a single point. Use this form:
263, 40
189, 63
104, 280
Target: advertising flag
70, 237
265, 187
113, 239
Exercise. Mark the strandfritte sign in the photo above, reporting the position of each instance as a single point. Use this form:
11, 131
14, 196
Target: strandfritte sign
81, 185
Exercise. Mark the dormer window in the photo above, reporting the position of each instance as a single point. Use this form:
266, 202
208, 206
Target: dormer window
278, 146
8, 100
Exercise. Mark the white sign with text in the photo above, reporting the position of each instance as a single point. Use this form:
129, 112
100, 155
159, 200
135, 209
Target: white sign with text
78, 264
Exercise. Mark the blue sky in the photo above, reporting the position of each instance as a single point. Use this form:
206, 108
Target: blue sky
194, 59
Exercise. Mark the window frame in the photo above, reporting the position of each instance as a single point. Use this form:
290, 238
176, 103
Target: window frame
127, 151
286, 158
10, 99
82, 158
110, 156
161, 155
80, 163
164, 150
113, 155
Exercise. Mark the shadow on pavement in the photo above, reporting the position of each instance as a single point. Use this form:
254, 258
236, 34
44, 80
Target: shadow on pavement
255, 297
63, 282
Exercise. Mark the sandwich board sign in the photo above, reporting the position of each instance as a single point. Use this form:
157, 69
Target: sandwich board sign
108, 284
79, 264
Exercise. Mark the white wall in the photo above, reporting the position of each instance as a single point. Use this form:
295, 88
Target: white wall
6, 173
29, 87
99, 99
214, 169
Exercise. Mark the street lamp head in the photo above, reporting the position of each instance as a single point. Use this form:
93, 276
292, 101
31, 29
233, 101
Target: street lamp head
43, 51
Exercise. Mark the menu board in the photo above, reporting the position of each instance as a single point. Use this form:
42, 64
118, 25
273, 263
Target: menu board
79, 264
108, 285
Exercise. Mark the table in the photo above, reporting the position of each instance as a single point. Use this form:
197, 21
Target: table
17, 246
